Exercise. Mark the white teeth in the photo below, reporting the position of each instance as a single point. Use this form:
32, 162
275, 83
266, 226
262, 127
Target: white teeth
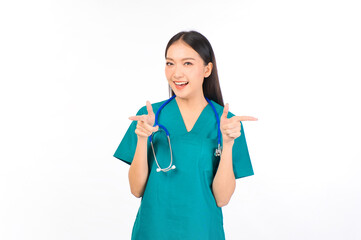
180, 83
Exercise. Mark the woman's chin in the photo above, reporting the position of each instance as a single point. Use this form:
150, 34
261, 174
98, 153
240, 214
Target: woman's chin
180, 94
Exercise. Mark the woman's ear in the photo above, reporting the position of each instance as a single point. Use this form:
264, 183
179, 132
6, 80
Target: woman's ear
208, 69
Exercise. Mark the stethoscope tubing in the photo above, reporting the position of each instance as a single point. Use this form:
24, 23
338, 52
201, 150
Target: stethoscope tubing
218, 150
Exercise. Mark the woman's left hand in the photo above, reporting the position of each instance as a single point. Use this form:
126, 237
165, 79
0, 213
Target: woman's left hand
231, 127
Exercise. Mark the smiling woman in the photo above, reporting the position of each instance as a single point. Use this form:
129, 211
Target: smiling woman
184, 202
189, 55
185, 64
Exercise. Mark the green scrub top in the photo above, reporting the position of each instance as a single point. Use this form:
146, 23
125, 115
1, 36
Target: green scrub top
179, 204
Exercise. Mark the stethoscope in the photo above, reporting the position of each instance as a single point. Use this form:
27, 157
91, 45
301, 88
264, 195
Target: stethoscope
217, 152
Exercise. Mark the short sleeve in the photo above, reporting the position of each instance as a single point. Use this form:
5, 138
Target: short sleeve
127, 146
242, 165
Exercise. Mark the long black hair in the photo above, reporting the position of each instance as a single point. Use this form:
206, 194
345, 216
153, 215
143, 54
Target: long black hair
211, 87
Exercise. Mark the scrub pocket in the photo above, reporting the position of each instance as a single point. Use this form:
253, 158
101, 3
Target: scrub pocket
207, 160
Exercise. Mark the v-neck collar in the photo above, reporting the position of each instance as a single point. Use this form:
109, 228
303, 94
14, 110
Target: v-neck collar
182, 122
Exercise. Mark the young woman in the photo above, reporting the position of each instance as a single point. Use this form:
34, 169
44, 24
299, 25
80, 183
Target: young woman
185, 152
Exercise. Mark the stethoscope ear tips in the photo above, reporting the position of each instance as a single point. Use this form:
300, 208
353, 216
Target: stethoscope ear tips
218, 151
173, 167
158, 169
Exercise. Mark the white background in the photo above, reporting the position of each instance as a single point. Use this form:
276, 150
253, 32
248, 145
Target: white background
73, 71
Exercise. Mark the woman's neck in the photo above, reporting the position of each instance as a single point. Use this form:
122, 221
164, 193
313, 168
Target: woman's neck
193, 103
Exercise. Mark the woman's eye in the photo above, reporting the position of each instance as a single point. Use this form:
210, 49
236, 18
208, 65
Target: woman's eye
168, 63
188, 63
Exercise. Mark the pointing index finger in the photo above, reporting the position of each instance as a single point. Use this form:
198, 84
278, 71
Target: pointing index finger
244, 118
138, 118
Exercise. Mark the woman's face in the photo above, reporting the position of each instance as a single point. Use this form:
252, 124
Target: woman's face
185, 70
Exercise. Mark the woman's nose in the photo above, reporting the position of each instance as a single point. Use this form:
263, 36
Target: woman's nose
178, 71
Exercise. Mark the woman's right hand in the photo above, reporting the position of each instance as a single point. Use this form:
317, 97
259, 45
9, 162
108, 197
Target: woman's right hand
145, 122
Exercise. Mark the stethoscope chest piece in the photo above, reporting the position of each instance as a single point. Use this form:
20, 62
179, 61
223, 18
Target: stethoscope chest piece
165, 170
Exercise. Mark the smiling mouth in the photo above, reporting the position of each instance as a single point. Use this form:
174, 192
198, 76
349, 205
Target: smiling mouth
180, 83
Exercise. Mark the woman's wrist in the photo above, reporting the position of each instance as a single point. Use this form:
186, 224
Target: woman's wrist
142, 138
228, 144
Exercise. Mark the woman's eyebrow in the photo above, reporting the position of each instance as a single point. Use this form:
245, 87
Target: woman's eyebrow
181, 59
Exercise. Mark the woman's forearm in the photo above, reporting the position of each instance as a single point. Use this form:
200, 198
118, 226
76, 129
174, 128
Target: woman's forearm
138, 171
224, 182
